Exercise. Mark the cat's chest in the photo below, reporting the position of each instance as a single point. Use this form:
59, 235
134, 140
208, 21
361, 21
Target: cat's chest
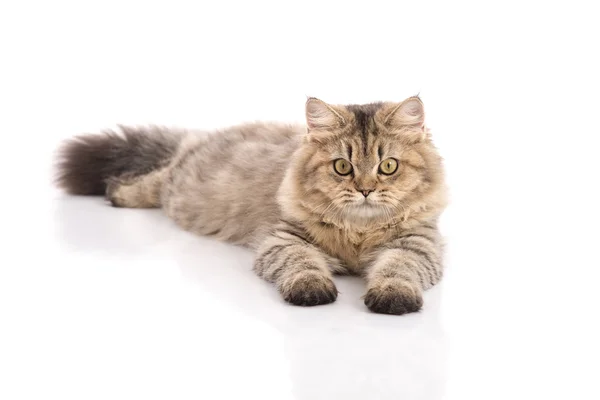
354, 248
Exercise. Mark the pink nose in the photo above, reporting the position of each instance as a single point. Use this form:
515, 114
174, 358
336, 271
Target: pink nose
366, 192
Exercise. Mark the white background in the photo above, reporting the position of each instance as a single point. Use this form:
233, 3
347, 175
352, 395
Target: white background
103, 303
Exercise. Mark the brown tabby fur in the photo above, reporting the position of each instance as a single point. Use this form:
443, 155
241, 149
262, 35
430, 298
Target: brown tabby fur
274, 188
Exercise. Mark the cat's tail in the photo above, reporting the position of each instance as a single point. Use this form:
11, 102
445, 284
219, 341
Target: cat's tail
86, 162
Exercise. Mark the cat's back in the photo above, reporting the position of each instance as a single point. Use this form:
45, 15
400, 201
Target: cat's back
224, 184
241, 145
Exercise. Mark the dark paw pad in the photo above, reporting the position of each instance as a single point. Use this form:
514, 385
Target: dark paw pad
309, 288
394, 296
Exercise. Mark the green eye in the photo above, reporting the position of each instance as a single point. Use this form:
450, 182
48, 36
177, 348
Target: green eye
388, 166
342, 166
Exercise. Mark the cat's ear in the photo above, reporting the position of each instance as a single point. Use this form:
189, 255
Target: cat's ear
322, 116
408, 116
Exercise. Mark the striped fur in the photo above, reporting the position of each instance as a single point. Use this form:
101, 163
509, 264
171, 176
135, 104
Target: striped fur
299, 269
274, 188
402, 269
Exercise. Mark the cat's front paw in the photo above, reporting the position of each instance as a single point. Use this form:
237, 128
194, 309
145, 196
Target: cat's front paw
394, 296
308, 288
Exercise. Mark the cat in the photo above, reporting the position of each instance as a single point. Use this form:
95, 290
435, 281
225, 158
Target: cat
357, 190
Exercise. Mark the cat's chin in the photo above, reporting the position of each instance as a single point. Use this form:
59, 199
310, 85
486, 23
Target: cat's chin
367, 211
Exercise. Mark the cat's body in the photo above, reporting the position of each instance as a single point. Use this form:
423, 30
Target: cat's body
279, 190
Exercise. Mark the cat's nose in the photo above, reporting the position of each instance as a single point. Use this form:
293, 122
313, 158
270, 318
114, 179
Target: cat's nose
365, 192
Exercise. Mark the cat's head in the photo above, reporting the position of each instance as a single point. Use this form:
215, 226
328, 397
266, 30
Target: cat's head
365, 164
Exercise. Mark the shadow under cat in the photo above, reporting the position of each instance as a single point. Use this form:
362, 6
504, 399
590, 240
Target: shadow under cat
340, 350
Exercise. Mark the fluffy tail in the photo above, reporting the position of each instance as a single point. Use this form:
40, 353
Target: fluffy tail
86, 162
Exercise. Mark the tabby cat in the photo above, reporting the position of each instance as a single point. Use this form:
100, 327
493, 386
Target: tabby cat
358, 190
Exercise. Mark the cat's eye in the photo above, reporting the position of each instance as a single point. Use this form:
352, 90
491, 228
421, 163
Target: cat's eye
342, 166
388, 166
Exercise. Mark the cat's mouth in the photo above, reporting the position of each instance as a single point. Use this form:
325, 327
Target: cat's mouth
369, 202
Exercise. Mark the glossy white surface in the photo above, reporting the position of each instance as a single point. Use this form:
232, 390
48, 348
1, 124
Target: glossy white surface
105, 303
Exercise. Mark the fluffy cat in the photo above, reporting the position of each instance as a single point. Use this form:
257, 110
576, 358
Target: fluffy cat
358, 190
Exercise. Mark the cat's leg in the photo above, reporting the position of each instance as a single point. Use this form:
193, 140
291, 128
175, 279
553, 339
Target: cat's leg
139, 192
299, 270
402, 269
